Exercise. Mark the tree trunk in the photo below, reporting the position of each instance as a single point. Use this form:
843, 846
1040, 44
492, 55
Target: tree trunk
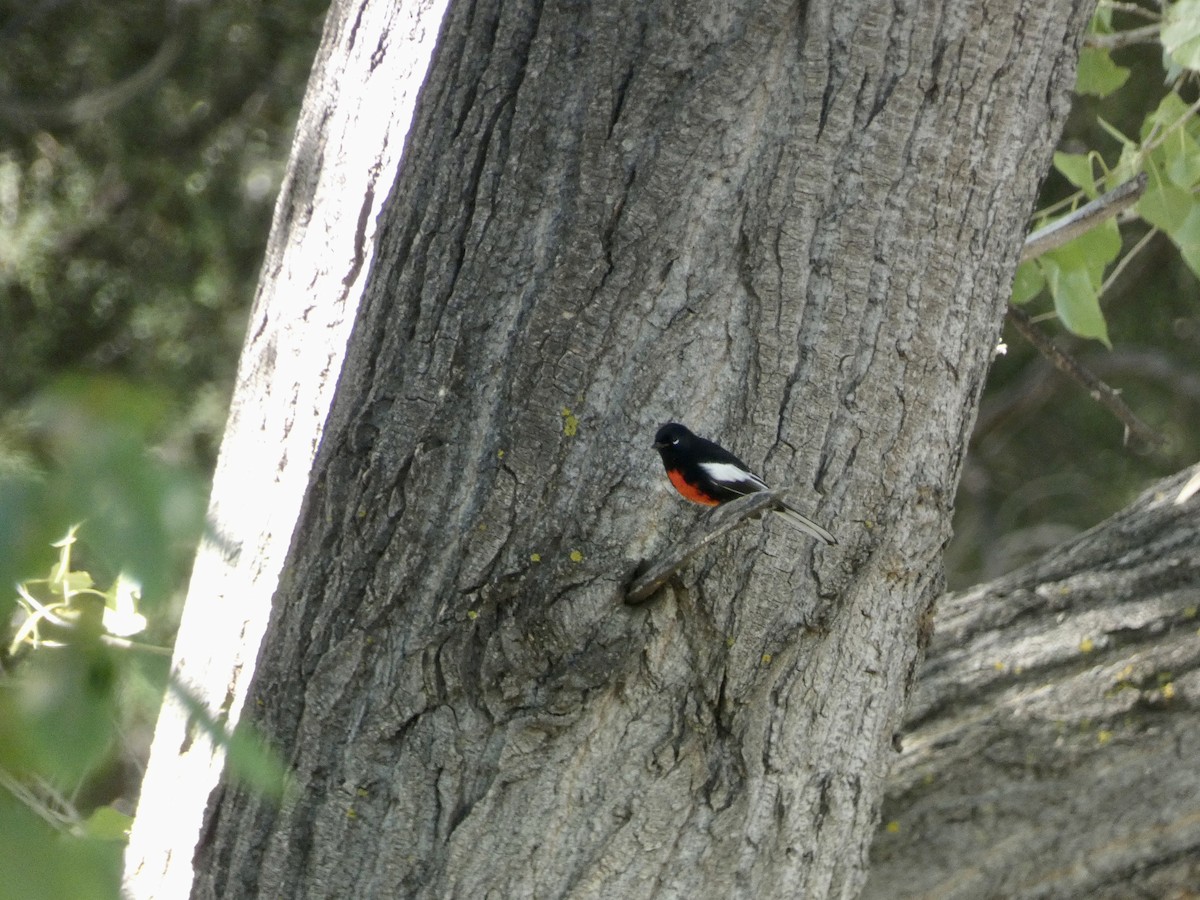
1051, 745
358, 107
792, 228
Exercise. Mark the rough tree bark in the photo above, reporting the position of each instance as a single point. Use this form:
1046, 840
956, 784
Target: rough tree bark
357, 109
1050, 750
793, 227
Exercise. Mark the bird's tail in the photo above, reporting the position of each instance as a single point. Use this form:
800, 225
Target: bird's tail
804, 523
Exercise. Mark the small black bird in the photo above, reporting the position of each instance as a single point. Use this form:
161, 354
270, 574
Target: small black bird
707, 473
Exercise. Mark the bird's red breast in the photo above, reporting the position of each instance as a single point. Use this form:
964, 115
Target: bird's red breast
689, 491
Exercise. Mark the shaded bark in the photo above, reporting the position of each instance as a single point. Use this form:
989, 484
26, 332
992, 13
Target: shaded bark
1051, 745
793, 228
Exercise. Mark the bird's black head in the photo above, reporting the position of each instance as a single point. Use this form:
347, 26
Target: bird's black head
670, 435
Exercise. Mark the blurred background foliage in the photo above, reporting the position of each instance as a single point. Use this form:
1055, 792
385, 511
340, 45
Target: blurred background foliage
142, 143
1047, 462
141, 146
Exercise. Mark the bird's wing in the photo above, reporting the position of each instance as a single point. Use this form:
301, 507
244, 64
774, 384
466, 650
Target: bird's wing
737, 480
734, 477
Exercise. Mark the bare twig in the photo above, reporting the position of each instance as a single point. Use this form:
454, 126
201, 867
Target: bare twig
1028, 393
1146, 34
43, 801
1087, 217
134, 646
101, 102
707, 529
1133, 9
1125, 260
1100, 392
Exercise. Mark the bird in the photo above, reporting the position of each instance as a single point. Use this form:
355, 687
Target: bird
705, 472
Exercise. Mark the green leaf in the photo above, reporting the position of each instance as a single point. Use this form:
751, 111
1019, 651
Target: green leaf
251, 760
97, 434
121, 616
1076, 301
1101, 20
108, 824
66, 708
1028, 283
1181, 33
1165, 206
1169, 111
1091, 252
38, 863
1097, 74
1075, 272
74, 582
1177, 213
1182, 154
1187, 238
1077, 169
1173, 69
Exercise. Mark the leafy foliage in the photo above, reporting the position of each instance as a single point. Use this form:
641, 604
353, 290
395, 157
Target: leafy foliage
137, 177
77, 451
66, 663
1167, 149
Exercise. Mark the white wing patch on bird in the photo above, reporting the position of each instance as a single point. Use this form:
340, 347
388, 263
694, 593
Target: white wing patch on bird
732, 477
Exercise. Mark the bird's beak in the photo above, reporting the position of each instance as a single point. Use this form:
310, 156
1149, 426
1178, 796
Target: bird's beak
658, 445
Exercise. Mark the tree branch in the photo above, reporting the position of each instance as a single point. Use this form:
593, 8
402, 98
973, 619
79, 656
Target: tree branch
1046, 745
707, 529
1106, 396
101, 102
1055, 235
1145, 34
1084, 219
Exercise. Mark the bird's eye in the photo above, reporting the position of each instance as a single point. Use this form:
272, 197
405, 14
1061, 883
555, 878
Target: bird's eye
676, 441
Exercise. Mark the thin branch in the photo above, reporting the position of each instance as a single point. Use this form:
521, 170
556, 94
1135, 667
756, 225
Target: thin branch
134, 646
1087, 217
1145, 34
707, 529
1133, 9
63, 820
101, 102
1100, 392
1127, 259
1066, 202
1158, 136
